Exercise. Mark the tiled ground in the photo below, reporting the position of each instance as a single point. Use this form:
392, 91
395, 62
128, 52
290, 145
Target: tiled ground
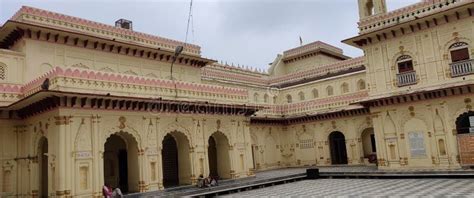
368, 188
286, 172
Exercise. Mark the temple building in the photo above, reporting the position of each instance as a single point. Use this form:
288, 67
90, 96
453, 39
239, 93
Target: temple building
83, 104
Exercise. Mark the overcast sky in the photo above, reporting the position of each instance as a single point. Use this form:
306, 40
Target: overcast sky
245, 32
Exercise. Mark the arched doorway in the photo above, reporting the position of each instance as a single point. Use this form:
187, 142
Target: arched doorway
121, 162
464, 127
170, 162
176, 160
218, 155
337, 145
368, 145
43, 167
463, 123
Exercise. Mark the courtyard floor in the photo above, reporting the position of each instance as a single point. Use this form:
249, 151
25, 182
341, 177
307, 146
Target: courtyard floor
367, 188
338, 187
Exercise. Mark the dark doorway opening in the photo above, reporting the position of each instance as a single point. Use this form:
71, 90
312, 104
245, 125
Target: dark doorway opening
43, 167
463, 123
121, 162
170, 162
212, 152
337, 145
123, 169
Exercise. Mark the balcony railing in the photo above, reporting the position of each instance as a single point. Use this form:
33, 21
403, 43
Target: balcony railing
406, 78
462, 68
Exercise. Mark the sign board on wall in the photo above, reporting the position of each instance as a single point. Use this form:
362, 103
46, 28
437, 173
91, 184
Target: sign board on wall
417, 144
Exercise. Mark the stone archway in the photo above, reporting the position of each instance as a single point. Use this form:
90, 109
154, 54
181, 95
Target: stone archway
337, 145
368, 144
218, 155
43, 167
463, 124
176, 161
121, 162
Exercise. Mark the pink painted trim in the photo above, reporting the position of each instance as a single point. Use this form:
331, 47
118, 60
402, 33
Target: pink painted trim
372, 22
311, 105
100, 26
10, 88
128, 79
310, 47
238, 74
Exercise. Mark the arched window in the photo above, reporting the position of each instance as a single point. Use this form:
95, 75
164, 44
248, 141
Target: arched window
404, 63
265, 98
3, 71
255, 97
315, 93
301, 95
361, 84
330, 91
345, 88
289, 99
459, 52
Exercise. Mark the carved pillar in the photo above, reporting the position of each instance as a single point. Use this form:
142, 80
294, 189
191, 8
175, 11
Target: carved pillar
141, 169
382, 155
206, 155
159, 143
63, 128
232, 162
97, 157
248, 149
192, 156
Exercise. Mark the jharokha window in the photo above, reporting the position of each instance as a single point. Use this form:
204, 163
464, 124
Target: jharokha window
289, 99
405, 64
459, 52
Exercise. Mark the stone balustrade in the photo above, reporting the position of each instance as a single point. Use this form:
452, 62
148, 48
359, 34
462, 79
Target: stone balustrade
313, 105
462, 68
406, 78
88, 81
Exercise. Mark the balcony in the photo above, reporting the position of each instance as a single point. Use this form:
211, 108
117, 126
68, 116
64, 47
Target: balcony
406, 78
462, 68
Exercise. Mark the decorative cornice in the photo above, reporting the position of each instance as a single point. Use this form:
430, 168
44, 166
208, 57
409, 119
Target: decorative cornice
436, 13
427, 93
311, 47
408, 13
15, 30
326, 71
343, 113
313, 105
45, 101
52, 19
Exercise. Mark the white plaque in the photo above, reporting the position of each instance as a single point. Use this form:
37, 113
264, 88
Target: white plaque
417, 144
83, 155
471, 121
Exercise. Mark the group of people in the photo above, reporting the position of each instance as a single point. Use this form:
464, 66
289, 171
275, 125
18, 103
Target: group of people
109, 192
207, 182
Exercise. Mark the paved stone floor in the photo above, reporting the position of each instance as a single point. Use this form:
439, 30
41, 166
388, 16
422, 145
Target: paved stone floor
286, 172
368, 188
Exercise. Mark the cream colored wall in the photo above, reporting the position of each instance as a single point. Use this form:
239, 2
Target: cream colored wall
14, 63
322, 85
435, 119
306, 144
76, 139
43, 56
430, 53
309, 63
